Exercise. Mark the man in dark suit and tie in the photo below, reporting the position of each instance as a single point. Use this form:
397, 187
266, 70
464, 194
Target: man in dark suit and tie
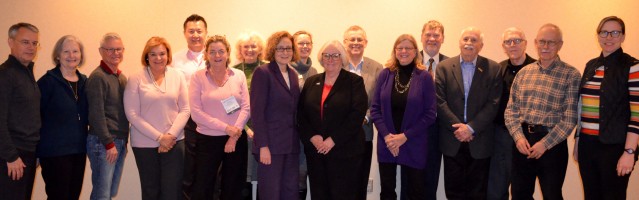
468, 89
432, 39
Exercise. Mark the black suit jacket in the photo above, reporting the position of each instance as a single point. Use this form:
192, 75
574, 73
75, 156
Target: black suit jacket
483, 101
442, 57
344, 109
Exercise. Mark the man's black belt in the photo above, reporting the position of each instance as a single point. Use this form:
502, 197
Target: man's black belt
534, 128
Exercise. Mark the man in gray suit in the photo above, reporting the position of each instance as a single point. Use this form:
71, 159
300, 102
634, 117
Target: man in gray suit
355, 42
468, 88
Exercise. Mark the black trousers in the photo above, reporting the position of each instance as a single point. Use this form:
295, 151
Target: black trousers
598, 169
190, 138
209, 156
550, 168
18, 189
464, 176
334, 178
501, 164
160, 173
412, 182
63, 176
366, 168
433, 164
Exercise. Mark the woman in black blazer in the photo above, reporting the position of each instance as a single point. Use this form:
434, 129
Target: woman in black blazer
331, 107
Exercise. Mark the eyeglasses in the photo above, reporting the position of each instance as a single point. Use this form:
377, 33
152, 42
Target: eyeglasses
113, 50
284, 49
400, 49
304, 44
614, 34
27, 43
513, 41
550, 43
328, 56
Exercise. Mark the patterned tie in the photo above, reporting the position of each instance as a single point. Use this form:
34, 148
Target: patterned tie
430, 66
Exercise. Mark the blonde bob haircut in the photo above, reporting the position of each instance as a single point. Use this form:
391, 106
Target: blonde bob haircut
334, 43
57, 49
393, 63
245, 38
153, 42
273, 40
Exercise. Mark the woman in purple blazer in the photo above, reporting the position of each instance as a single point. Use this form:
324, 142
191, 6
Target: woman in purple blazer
274, 95
402, 133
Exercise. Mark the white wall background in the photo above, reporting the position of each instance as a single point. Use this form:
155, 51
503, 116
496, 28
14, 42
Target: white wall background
136, 21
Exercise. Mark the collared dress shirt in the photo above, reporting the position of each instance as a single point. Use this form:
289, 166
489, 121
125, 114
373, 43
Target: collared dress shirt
436, 60
547, 97
468, 71
356, 69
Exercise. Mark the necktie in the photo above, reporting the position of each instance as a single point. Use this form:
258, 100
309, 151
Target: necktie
430, 66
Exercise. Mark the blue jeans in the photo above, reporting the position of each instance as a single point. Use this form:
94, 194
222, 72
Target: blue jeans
105, 176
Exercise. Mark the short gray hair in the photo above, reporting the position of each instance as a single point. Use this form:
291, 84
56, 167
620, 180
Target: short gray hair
13, 30
109, 36
553, 26
338, 45
514, 30
474, 29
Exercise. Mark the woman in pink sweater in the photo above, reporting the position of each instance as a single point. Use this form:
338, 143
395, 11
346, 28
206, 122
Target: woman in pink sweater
156, 104
219, 101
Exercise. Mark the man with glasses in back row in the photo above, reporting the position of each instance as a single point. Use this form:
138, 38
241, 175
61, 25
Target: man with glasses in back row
19, 114
355, 42
541, 114
432, 40
514, 44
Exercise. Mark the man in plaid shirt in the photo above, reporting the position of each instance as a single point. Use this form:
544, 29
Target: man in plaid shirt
541, 114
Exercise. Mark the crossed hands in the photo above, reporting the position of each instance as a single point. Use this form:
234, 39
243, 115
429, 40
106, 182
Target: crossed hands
167, 141
394, 141
463, 133
234, 134
536, 151
322, 145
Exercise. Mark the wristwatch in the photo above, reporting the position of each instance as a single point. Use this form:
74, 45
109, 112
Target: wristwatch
630, 151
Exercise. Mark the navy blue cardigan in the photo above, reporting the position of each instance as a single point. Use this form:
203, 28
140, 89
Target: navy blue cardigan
64, 121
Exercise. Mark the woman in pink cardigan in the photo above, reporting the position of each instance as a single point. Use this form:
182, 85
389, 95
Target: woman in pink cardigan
219, 101
156, 104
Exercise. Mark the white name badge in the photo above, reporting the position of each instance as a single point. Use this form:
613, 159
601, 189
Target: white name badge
230, 105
